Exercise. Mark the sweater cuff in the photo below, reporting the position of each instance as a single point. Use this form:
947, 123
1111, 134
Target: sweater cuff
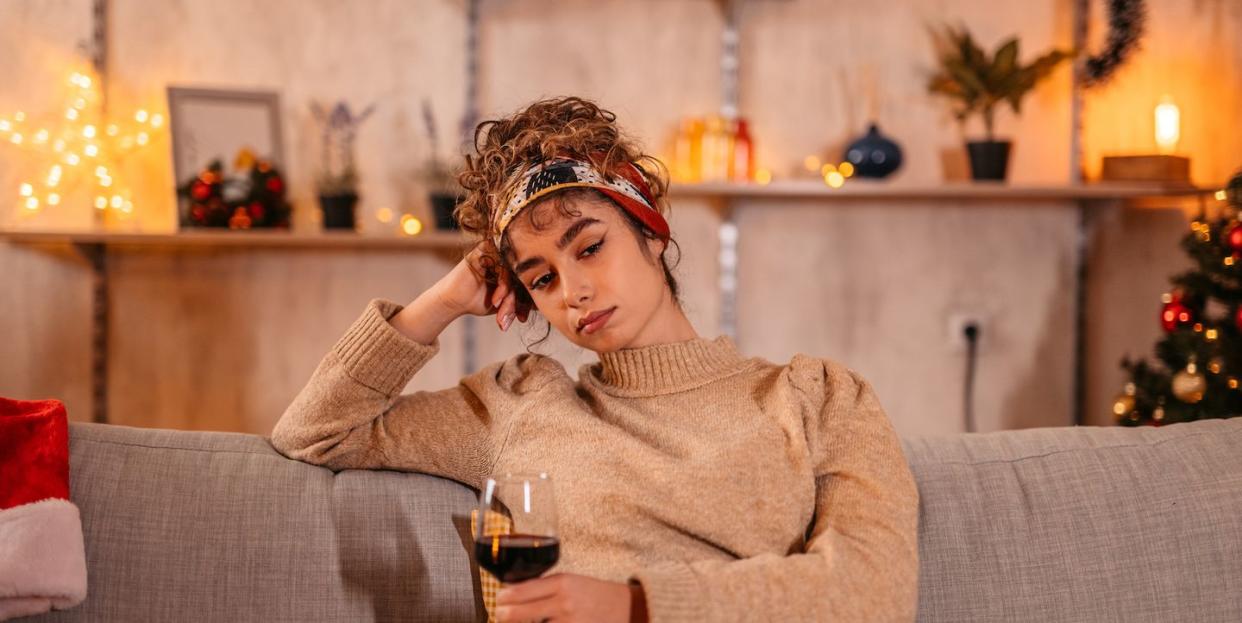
376, 354
672, 592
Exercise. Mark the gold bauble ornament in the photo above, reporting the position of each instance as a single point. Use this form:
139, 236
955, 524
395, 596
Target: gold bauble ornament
1189, 385
1123, 405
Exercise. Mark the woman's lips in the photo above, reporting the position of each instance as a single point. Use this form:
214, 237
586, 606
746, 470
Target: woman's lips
598, 323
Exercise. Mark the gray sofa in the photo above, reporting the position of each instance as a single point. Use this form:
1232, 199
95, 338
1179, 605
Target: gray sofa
1053, 524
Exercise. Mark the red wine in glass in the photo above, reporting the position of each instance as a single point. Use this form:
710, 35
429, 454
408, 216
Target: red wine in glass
515, 527
517, 557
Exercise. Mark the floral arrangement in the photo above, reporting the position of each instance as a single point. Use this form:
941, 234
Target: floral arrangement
254, 197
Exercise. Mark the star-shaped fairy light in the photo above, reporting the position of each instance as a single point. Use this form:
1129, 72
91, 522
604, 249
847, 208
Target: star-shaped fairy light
77, 149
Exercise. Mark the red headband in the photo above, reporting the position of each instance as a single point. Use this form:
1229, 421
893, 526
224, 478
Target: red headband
631, 192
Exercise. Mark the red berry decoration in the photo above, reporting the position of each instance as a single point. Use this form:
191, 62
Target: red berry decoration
1175, 314
1237, 318
200, 191
256, 211
275, 184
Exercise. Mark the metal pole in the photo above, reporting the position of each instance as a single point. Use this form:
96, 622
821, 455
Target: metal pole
1081, 14
468, 121
97, 254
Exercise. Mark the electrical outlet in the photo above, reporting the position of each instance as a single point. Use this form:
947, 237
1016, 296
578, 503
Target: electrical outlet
958, 322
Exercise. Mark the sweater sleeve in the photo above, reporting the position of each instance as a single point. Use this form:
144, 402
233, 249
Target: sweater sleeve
351, 414
860, 562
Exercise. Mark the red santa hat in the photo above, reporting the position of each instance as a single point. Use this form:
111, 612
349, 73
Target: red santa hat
42, 558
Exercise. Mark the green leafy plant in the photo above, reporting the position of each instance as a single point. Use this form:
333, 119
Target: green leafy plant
978, 83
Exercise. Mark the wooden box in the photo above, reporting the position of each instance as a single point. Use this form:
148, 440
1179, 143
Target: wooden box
1154, 168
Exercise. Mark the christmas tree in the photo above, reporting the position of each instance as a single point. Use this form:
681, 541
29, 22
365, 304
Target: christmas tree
1200, 355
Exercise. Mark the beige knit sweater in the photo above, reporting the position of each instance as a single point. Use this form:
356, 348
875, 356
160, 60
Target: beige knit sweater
732, 488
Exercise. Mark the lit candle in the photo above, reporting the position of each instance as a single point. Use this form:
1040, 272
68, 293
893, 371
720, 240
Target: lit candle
1168, 125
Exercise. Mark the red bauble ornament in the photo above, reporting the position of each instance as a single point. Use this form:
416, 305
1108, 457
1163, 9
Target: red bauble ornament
1237, 318
257, 211
1175, 314
1234, 238
199, 190
275, 184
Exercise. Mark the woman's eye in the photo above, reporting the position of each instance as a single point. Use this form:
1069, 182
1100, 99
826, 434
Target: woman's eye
591, 250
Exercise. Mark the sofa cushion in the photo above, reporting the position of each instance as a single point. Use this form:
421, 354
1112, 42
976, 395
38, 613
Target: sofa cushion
1081, 524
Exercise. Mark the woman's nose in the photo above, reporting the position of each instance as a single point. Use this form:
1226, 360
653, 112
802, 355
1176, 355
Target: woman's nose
577, 289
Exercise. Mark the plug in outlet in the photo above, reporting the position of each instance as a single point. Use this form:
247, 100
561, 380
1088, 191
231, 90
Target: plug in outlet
958, 322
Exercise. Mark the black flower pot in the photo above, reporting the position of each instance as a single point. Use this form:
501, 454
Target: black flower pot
874, 155
989, 160
442, 206
338, 210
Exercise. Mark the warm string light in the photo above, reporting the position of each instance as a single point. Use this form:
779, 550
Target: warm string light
74, 152
410, 225
834, 175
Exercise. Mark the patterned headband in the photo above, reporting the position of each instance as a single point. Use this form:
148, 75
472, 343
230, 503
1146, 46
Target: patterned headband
629, 190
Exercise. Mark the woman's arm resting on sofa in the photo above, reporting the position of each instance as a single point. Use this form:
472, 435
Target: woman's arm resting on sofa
861, 561
351, 414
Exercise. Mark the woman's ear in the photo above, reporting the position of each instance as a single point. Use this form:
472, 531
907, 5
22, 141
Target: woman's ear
656, 246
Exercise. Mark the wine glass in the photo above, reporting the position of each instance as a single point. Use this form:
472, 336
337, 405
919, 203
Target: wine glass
515, 526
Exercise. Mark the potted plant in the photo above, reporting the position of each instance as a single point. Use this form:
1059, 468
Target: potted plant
438, 179
978, 84
337, 180
443, 192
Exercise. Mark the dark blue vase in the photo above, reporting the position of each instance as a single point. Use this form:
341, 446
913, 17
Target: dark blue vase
873, 155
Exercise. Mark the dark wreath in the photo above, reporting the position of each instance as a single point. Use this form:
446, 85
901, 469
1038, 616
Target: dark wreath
1125, 28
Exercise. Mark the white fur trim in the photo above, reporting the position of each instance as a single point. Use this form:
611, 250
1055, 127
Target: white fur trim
42, 558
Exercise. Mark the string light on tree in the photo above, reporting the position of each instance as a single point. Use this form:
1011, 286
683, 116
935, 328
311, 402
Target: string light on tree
69, 152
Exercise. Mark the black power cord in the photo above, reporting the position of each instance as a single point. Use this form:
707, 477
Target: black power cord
971, 332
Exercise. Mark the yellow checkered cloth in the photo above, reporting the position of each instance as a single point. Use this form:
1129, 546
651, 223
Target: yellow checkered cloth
496, 523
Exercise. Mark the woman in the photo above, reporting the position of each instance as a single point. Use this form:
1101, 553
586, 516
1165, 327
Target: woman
693, 484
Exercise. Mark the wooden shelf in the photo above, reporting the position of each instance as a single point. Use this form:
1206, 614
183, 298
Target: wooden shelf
812, 189
250, 239
875, 189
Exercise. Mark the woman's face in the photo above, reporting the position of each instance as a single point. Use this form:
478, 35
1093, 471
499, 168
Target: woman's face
590, 264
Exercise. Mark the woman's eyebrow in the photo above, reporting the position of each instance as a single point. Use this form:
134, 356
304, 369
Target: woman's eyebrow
568, 237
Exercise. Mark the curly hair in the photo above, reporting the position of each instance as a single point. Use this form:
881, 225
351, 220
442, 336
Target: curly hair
560, 127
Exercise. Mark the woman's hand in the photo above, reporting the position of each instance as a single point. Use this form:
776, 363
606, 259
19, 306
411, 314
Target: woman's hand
467, 289
565, 598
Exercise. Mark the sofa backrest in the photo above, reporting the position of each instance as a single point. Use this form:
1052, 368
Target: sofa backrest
1073, 523
208, 526
1081, 524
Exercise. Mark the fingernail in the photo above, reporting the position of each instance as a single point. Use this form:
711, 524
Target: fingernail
508, 320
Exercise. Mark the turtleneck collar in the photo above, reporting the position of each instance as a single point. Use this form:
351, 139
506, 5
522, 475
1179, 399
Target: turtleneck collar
668, 367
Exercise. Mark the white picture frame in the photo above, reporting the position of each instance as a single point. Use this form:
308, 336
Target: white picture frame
209, 124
